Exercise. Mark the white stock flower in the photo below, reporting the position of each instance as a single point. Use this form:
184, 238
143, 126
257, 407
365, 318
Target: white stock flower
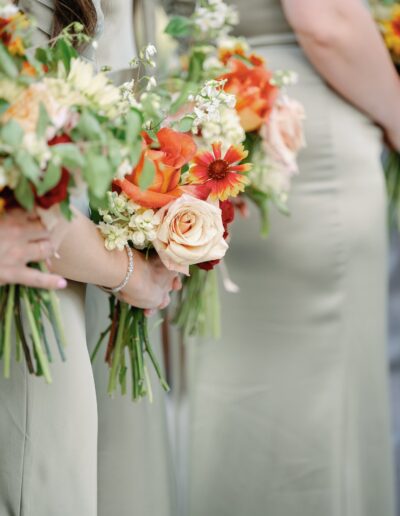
151, 83
84, 86
8, 10
228, 129
124, 169
215, 18
115, 236
37, 148
9, 177
208, 102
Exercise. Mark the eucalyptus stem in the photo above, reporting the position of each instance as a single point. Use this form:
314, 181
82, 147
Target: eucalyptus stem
53, 305
99, 343
41, 357
7, 331
119, 345
151, 354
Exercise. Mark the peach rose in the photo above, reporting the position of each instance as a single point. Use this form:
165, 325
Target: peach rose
254, 92
283, 134
25, 110
190, 232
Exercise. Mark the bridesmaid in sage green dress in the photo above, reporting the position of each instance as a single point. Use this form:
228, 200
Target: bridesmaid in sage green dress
135, 470
289, 413
48, 433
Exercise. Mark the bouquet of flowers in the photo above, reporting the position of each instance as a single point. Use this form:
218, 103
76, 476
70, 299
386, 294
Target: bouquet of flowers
387, 16
63, 129
184, 223
259, 115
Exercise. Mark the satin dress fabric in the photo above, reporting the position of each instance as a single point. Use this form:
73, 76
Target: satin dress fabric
135, 467
289, 412
48, 433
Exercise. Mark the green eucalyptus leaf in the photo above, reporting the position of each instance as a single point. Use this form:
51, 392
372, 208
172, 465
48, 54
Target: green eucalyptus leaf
196, 66
12, 133
29, 167
43, 55
179, 27
4, 105
114, 153
51, 178
70, 155
97, 203
135, 153
147, 175
89, 127
134, 123
43, 121
24, 194
64, 52
7, 64
185, 124
66, 209
98, 173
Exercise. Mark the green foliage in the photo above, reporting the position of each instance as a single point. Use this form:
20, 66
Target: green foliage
50, 179
179, 27
7, 64
148, 174
12, 133
24, 194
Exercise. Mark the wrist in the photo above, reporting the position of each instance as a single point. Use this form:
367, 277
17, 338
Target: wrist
129, 271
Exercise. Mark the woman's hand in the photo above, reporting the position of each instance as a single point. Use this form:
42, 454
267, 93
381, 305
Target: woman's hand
23, 240
150, 284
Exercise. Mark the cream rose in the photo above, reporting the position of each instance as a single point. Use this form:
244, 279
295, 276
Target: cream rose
25, 110
190, 231
283, 135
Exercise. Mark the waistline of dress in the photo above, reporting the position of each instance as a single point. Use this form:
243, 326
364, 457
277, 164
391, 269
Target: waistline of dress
272, 40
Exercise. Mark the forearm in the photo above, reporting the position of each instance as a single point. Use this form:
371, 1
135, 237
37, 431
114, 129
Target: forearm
341, 40
84, 258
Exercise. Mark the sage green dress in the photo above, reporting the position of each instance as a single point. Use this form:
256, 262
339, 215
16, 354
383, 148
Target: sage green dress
289, 412
135, 468
48, 433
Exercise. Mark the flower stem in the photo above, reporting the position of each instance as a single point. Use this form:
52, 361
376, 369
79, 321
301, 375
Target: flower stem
119, 345
7, 331
44, 365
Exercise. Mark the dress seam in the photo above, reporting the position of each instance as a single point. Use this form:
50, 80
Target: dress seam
21, 500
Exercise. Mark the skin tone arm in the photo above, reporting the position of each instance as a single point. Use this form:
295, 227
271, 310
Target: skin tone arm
342, 41
23, 239
84, 258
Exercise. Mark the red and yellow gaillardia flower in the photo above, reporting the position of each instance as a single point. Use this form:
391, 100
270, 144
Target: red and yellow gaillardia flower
223, 175
225, 54
391, 32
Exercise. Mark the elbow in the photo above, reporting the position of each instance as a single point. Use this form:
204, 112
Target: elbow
325, 31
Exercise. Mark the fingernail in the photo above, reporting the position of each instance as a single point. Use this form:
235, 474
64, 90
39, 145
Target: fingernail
56, 255
62, 283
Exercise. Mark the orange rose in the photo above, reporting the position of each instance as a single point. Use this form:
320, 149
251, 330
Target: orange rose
176, 150
254, 93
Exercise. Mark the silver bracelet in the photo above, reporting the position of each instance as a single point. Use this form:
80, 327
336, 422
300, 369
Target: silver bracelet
129, 273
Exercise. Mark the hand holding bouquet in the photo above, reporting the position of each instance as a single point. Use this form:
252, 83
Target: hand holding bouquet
64, 130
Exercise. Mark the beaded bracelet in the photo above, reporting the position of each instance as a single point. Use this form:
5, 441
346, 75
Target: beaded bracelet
129, 273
